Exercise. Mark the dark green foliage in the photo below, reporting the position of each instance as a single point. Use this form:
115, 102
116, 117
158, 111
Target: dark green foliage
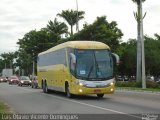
35, 42
138, 1
72, 17
101, 30
150, 84
152, 50
127, 52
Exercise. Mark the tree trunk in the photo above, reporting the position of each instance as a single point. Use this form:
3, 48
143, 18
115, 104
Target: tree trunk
71, 30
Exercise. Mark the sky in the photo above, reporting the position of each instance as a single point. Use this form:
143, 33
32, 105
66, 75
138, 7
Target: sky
18, 17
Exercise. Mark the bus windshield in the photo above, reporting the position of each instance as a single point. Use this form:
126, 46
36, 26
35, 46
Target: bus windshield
94, 64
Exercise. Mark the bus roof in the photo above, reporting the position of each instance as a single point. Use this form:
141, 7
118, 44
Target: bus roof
78, 45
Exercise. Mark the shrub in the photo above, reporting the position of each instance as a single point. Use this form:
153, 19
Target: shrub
149, 84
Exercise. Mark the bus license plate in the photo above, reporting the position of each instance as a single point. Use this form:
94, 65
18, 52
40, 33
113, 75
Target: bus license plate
97, 91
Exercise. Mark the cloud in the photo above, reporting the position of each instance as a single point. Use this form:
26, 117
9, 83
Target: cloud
20, 16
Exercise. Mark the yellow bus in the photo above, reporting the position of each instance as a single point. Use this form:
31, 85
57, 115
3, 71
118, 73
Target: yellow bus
77, 68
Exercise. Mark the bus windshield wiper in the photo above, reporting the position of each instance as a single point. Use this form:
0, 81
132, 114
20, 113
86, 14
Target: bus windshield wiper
97, 66
90, 70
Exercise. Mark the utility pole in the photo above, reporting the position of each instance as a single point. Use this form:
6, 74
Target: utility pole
140, 74
33, 67
142, 47
77, 26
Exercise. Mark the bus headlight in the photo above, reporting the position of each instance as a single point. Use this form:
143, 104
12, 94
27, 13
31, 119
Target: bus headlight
22, 82
111, 83
81, 84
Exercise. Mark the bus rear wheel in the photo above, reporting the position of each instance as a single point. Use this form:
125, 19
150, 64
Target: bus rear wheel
100, 95
45, 89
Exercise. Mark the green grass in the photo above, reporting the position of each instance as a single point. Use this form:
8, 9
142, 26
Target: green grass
139, 89
4, 109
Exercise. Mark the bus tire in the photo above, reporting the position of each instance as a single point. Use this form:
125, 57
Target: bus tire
42, 84
68, 94
45, 89
100, 95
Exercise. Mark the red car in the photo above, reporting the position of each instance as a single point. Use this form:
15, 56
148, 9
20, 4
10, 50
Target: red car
13, 80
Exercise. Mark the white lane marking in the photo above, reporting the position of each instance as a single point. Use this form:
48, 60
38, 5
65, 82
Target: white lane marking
98, 107
106, 109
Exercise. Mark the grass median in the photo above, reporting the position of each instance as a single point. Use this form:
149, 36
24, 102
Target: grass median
137, 86
4, 109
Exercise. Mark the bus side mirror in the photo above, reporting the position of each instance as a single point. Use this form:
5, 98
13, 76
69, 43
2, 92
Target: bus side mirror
116, 58
73, 58
72, 63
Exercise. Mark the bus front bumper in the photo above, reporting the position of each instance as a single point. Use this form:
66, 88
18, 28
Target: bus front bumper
81, 90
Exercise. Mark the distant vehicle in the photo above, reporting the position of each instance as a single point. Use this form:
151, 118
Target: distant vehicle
13, 80
158, 81
122, 78
3, 79
7, 72
119, 78
77, 68
150, 78
24, 80
34, 82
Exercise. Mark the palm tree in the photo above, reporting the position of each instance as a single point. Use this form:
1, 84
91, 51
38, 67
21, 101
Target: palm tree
140, 75
71, 17
57, 27
138, 1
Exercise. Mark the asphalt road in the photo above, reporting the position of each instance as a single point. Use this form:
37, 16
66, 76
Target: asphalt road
125, 104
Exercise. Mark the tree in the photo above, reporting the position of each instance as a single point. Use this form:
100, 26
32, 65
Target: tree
56, 27
35, 42
24, 62
101, 30
127, 52
152, 51
1, 65
138, 1
71, 17
8, 59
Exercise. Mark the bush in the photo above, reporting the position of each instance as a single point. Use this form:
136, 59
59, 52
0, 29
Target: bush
150, 84
126, 84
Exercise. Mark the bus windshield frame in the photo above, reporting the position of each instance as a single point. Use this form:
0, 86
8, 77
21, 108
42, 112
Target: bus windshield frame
93, 64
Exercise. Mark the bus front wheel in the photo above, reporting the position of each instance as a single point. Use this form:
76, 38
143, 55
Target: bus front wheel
100, 95
68, 94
